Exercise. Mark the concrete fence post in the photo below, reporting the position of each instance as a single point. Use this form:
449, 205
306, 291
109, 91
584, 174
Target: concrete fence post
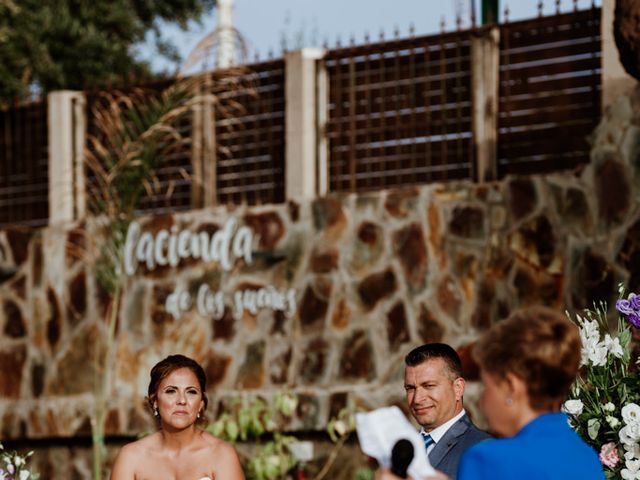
485, 81
203, 153
304, 176
67, 136
615, 80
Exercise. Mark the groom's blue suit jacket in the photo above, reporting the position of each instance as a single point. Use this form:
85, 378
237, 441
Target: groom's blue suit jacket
446, 455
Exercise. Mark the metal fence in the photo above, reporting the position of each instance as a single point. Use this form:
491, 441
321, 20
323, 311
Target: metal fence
170, 189
24, 176
549, 92
250, 135
399, 113
247, 133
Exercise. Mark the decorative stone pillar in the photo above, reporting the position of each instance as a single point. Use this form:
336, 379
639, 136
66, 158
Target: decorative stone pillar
67, 132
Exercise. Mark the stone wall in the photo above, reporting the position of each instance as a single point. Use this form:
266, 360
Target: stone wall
373, 276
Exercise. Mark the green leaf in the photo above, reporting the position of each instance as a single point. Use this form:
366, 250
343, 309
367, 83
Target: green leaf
364, 473
593, 427
231, 429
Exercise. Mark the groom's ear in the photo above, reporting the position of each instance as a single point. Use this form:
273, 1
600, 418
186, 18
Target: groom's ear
458, 387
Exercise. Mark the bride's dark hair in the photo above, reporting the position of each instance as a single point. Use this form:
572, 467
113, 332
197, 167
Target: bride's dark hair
165, 367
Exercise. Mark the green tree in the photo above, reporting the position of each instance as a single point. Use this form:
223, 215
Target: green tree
77, 44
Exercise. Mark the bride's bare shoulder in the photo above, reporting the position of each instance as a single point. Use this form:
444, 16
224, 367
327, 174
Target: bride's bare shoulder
132, 457
215, 443
141, 445
227, 464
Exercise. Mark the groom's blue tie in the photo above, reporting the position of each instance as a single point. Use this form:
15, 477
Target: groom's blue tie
426, 438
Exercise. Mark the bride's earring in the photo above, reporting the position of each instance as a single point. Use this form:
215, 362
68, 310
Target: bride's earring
156, 412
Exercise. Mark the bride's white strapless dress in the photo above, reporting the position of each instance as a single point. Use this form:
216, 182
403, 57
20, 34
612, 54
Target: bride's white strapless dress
205, 478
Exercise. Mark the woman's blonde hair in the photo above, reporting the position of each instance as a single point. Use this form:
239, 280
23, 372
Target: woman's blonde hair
538, 345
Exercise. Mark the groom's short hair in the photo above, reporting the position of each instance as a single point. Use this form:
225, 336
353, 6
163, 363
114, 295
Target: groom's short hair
430, 351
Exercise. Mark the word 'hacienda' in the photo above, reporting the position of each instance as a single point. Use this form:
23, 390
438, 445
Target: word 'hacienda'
169, 247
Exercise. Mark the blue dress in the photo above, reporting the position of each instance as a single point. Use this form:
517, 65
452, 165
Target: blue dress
546, 448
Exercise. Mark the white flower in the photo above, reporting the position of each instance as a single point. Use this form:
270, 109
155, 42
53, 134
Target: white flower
632, 451
632, 472
19, 461
341, 427
629, 475
612, 421
274, 461
609, 407
589, 330
593, 350
597, 353
629, 434
24, 475
631, 413
573, 407
613, 346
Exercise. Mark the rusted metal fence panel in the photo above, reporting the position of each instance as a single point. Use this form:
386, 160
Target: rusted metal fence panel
250, 135
399, 112
248, 141
24, 165
171, 186
549, 92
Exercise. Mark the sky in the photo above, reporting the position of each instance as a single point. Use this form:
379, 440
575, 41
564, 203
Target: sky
310, 23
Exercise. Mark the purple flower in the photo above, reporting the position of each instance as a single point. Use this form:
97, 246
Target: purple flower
634, 319
635, 301
624, 306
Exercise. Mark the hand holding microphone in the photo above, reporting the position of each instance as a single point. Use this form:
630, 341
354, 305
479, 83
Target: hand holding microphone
401, 456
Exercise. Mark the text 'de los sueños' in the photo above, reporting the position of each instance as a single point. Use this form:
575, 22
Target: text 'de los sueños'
212, 303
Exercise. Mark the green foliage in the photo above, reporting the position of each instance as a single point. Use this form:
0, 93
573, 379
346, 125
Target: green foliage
252, 420
75, 44
273, 460
364, 473
257, 421
343, 424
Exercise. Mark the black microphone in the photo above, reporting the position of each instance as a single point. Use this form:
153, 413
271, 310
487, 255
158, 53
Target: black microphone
401, 456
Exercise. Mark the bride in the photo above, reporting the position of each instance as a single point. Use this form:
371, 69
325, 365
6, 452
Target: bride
178, 450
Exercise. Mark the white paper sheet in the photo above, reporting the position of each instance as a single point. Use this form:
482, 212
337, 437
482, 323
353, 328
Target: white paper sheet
379, 430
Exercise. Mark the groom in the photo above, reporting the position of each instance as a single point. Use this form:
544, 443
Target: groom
435, 387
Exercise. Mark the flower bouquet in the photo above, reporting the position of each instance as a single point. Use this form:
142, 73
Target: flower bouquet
14, 466
603, 406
